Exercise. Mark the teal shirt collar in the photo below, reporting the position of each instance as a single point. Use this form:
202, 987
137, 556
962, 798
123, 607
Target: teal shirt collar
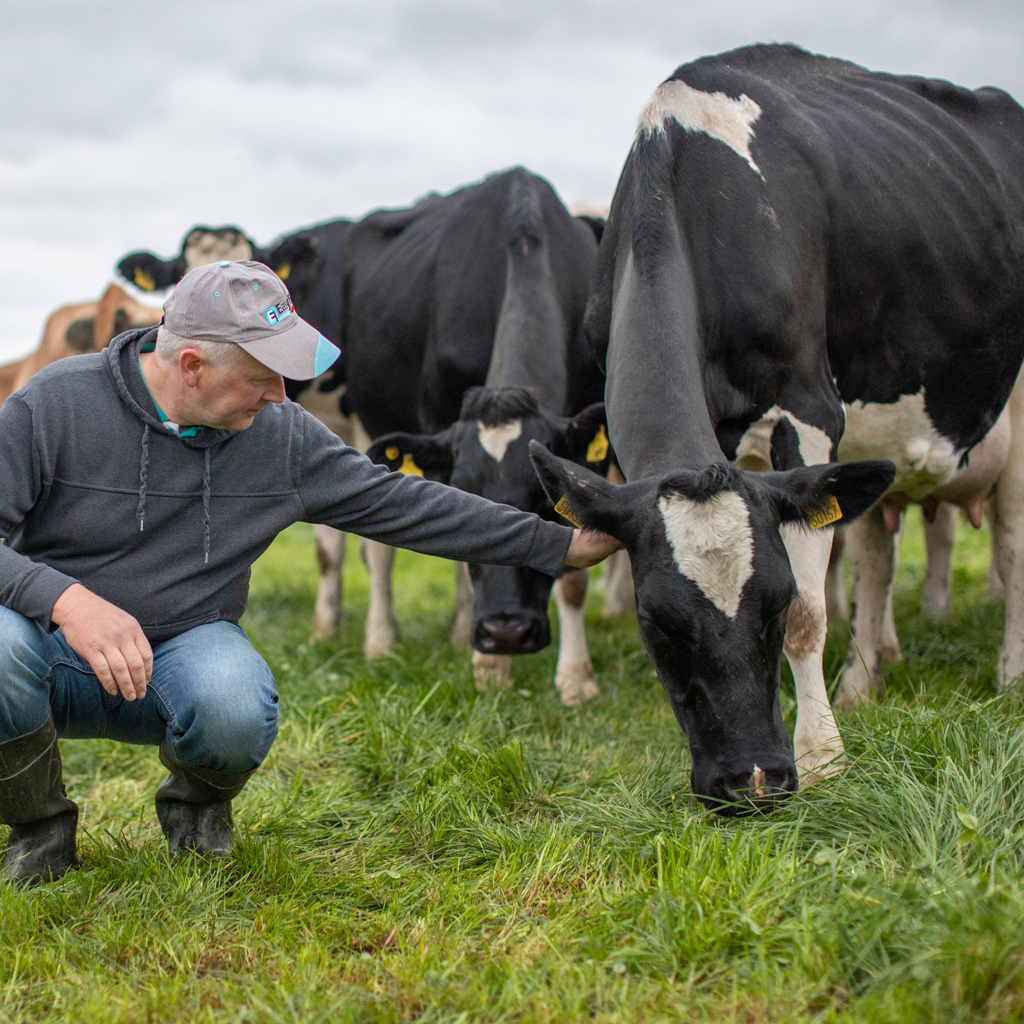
163, 417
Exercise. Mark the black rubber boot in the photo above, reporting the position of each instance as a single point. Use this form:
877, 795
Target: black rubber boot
194, 806
41, 845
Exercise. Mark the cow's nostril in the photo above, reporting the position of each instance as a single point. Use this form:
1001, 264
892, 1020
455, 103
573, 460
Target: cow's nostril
760, 790
506, 631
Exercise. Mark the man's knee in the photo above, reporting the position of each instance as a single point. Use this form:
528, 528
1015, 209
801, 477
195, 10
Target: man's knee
24, 674
224, 714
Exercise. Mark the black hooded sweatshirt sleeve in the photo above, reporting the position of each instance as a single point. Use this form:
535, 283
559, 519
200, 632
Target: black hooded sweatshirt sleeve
94, 489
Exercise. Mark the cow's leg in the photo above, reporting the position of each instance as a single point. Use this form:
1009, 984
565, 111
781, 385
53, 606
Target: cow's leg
870, 546
619, 598
938, 537
817, 745
492, 670
574, 675
462, 620
381, 632
330, 554
890, 641
835, 584
995, 587
1009, 537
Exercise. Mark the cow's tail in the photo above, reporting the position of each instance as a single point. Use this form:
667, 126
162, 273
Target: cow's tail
532, 332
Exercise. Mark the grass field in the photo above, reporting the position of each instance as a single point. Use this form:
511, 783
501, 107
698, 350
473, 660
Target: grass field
413, 850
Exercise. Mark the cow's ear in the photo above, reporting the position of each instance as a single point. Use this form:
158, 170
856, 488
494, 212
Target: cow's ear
819, 496
295, 260
580, 496
426, 455
150, 273
585, 438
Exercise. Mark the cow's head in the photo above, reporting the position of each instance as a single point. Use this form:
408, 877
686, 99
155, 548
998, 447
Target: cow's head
294, 259
713, 588
487, 453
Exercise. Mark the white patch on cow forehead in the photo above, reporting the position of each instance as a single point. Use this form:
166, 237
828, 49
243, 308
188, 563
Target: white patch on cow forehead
720, 116
903, 432
212, 248
494, 440
712, 544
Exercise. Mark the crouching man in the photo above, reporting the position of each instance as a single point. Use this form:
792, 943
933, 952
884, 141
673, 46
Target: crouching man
137, 487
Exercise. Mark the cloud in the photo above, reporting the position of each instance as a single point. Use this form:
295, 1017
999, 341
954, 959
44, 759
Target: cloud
124, 126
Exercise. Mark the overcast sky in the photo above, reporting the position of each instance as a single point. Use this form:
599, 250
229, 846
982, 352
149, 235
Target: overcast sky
123, 125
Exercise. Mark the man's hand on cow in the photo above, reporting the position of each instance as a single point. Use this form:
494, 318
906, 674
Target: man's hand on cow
588, 547
108, 638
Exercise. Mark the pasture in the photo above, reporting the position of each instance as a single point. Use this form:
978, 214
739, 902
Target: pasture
414, 850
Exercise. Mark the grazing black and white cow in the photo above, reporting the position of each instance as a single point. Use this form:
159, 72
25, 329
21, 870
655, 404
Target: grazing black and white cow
486, 285
800, 253
311, 261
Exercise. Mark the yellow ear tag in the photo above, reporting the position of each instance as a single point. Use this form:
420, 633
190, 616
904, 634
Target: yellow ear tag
283, 271
562, 508
824, 515
598, 448
408, 467
391, 453
143, 280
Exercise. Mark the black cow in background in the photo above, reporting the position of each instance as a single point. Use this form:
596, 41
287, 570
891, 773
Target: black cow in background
538, 341
311, 263
485, 285
804, 259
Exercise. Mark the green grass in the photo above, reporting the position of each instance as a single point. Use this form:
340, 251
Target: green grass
413, 850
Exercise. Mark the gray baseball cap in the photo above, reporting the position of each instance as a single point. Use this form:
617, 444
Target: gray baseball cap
247, 304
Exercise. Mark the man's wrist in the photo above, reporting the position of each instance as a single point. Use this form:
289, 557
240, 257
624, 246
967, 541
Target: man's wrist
66, 602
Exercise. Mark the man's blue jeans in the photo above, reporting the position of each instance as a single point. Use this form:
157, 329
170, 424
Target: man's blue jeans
212, 697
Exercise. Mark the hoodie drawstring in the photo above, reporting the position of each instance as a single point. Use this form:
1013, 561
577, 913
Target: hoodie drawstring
206, 506
140, 512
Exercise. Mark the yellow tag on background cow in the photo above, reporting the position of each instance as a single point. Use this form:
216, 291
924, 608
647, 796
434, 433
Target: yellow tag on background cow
598, 448
562, 508
408, 467
824, 515
143, 280
283, 271
391, 453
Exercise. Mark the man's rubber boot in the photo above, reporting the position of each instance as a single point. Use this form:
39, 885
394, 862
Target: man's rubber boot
33, 801
194, 806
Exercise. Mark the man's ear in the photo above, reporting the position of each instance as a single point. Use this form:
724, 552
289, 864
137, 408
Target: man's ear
579, 495
426, 455
150, 273
819, 496
584, 439
295, 260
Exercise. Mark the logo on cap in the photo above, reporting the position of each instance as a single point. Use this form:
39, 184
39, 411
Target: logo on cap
275, 314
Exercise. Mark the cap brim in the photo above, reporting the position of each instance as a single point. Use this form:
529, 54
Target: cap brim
299, 353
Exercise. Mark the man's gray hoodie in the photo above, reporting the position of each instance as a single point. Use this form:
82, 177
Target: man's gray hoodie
94, 489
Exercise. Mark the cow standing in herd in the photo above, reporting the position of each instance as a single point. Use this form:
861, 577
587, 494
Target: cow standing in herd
800, 253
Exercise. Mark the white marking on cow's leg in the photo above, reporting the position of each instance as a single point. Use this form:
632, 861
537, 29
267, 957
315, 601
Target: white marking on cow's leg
381, 631
714, 113
870, 546
712, 544
835, 582
574, 675
1010, 536
938, 538
330, 555
817, 744
619, 597
495, 440
462, 620
492, 670
890, 650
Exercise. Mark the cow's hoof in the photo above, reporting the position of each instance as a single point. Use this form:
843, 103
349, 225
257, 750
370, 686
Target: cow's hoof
891, 654
577, 684
492, 671
816, 766
379, 642
323, 630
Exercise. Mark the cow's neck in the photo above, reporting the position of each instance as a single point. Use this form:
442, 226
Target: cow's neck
657, 412
531, 337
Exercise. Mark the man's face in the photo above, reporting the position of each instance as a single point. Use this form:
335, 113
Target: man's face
228, 396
